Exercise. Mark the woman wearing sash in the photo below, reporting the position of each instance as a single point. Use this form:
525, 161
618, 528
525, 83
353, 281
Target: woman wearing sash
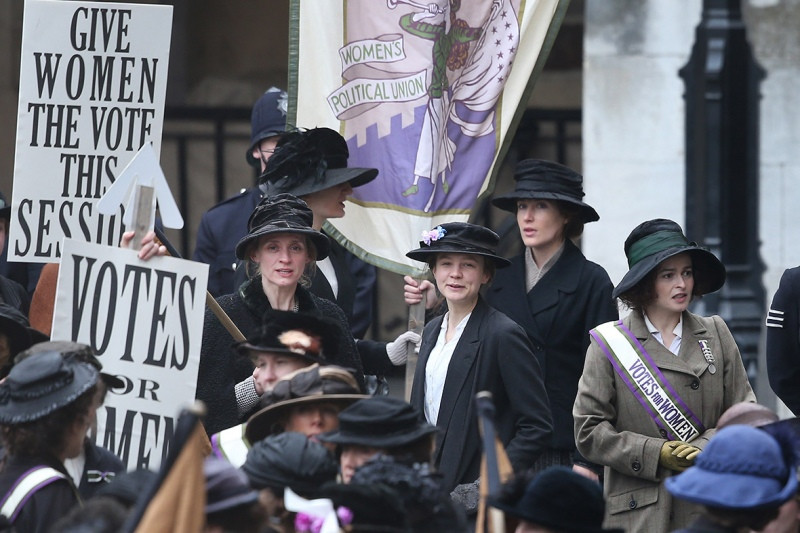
655, 383
474, 348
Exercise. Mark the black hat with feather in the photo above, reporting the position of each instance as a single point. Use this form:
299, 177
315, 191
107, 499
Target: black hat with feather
307, 161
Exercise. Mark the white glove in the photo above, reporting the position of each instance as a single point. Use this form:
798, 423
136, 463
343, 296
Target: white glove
399, 349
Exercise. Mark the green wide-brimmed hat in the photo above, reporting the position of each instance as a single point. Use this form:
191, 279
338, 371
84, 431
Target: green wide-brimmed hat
654, 241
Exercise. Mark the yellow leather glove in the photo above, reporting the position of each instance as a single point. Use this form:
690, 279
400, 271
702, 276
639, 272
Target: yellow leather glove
678, 455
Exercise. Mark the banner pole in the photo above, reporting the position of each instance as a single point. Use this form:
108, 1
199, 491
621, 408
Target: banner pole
416, 323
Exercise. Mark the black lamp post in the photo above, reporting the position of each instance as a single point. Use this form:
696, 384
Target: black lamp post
722, 120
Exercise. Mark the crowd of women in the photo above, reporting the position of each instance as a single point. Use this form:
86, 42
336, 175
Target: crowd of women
582, 398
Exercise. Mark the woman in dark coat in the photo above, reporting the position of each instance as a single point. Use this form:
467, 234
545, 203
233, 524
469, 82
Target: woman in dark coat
47, 404
283, 243
474, 348
552, 290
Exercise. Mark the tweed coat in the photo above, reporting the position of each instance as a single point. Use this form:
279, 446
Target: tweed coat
613, 429
571, 298
492, 354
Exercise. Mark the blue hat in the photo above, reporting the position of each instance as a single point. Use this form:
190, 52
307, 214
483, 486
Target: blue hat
741, 468
267, 119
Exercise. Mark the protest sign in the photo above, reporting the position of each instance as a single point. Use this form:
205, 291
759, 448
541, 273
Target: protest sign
93, 80
145, 319
427, 92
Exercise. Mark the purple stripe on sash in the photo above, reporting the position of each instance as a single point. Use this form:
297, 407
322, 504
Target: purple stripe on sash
16, 484
637, 393
673, 393
30, 495
215, 449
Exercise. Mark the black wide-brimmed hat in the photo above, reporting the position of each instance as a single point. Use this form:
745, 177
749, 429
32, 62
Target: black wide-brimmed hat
42, 384
545, 180
307, 161
560, 499
379, 422
81, 352
309, 336
291, 460
282, 213
654, 241
267, 119
460, 238
311, 384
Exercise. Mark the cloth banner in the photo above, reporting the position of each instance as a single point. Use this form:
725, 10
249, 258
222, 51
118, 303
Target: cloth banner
92, 87
145, 320
425, 91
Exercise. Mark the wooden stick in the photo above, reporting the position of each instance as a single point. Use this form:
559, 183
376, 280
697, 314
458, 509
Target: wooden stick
416, 323
212, 304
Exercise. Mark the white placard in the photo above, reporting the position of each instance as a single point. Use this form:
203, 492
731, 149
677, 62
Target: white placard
145, 319
93, 81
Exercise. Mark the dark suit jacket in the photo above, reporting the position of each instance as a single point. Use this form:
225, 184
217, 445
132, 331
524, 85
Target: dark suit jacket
356, 281
220, 229
783, 340
572, 298
493, 354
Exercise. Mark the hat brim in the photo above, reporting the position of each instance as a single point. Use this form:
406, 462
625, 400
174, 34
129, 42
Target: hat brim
112, 381
390, 440
730, 490
15, 412
508, 202
260, 425
321, 242
424, 254
711, 270
356, 177
246, 348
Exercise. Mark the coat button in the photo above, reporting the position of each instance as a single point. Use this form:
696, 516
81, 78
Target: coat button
632, 504
663, 433
636, 465
695, 385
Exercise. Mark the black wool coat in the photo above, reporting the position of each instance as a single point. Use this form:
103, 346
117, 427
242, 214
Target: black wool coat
47, 504
221, 367
493, 354
573, 297
783, 340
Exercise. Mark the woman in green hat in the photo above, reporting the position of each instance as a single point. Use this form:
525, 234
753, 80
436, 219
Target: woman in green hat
655, 383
